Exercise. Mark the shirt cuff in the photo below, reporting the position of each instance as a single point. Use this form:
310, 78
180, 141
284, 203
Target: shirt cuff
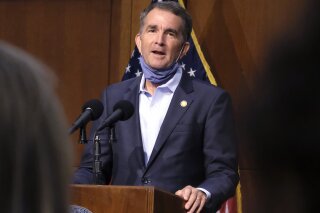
206, 192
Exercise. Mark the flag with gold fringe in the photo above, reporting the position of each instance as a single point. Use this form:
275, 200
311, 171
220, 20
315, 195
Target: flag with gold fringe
195, 64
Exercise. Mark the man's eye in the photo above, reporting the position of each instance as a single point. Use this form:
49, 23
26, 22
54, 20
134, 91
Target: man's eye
172, 34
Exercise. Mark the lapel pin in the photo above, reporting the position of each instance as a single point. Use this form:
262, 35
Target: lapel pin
183, 103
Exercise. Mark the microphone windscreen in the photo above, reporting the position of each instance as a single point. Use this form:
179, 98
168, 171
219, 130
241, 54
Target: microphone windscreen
96, 108
126, 107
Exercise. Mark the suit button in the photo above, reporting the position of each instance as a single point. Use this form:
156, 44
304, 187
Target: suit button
145, 180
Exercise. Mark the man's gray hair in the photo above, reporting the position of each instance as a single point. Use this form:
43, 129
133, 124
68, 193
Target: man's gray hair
175, 8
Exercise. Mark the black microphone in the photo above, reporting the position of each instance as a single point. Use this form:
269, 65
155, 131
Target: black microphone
91, 111
122, 111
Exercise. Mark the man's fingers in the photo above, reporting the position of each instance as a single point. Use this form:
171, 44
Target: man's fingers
196, 202
184, 193
179, 193
191, 200
203, 202
200, 205
195, 198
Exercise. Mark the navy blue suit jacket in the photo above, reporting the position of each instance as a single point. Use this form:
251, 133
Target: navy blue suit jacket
196, 144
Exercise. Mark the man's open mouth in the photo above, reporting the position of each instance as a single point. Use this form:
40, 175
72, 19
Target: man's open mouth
158, 52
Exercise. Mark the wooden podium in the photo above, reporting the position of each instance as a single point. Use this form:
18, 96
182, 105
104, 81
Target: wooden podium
118, 199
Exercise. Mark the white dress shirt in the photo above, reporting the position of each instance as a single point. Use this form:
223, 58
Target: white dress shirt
152, 110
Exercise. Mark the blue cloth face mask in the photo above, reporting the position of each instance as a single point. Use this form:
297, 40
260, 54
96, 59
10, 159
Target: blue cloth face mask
158, 76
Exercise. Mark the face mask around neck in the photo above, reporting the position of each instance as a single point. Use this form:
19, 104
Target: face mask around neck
158, 76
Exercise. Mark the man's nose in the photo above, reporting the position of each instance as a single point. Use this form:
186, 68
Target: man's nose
160, 39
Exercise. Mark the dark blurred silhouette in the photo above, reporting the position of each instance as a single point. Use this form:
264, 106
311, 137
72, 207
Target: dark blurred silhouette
35, 158
285, 119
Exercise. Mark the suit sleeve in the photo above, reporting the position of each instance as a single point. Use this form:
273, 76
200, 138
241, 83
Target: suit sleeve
220, 150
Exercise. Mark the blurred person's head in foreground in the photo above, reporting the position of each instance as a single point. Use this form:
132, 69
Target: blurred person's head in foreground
35, 159
285, 120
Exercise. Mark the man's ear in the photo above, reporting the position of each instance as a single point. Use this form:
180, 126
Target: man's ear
138, 42
185, 49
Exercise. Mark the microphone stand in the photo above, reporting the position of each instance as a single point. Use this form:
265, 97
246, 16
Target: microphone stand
83, 135
97, 152
97, 162
112, 134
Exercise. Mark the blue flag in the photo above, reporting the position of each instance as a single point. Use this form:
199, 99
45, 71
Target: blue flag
192, 63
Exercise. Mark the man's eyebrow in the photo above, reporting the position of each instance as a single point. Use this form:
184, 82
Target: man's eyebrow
152, 26
170, 30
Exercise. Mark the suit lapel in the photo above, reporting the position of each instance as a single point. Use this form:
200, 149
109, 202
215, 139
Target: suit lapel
132, 95
180, 103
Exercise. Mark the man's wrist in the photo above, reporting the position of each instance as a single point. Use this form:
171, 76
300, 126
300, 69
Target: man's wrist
208, 194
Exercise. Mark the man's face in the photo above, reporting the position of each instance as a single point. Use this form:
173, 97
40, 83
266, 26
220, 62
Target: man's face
160, 40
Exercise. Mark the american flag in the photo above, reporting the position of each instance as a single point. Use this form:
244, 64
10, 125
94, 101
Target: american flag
196, 66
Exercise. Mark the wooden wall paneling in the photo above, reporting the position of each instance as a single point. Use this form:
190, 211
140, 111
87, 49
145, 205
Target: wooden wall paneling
137, 7
72, 37
259, 23
125, 26
234, 36
12, 27
121, 39
87, 34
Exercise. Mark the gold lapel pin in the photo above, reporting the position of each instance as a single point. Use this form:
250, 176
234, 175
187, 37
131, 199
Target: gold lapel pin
183, 103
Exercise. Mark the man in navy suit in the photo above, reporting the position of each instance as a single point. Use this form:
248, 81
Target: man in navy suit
181, 137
